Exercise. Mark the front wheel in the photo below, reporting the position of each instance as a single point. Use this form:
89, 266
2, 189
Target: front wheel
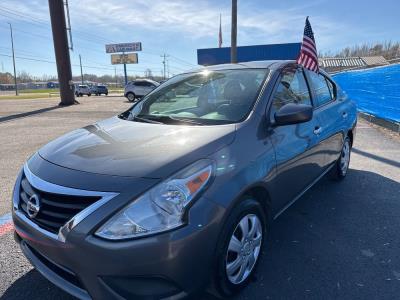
131, 97
240, 248
339, 171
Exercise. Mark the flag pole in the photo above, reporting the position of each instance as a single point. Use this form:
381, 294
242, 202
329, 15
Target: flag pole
234, 33
220, 32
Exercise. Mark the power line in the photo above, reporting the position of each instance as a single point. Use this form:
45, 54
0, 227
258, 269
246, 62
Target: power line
86, 37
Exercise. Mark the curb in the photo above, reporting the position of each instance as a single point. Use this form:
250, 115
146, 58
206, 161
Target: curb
390, 125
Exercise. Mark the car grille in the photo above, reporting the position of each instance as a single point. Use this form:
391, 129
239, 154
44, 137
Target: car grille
55, 209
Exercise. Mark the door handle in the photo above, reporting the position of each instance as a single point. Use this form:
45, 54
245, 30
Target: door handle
317, 130
344, 114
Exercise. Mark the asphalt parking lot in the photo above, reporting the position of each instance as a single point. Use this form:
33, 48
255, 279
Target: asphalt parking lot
339, 241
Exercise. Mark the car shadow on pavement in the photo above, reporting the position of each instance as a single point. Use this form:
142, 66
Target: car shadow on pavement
339, 241
33, 285
28, 113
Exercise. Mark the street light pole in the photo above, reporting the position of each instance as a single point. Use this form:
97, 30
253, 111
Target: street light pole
13, 56
234, 33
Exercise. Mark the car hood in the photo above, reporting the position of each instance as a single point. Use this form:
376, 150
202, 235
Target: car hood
125, 148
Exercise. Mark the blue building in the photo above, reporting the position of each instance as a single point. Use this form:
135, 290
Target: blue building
214, 56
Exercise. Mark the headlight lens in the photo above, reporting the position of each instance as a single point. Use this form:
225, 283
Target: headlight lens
161, 208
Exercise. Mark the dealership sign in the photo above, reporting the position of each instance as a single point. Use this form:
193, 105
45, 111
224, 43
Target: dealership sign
130, 58
124, 47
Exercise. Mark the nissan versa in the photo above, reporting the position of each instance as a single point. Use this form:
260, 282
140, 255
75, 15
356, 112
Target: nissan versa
174, 196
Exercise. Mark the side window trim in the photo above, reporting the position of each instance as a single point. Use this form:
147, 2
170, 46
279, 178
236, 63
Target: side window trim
275, 88
294, 67
308, 82
334, 89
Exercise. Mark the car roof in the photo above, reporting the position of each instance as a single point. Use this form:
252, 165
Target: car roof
143, 80
271, 64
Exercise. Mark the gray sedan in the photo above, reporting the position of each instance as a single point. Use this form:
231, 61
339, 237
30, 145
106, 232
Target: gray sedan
171, 197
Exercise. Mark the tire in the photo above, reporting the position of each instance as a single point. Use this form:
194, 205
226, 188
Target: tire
106, 94
89, 94
131, 96
80, 94
339, 171
240, 256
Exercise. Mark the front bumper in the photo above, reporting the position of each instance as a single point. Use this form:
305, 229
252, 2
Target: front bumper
173, 264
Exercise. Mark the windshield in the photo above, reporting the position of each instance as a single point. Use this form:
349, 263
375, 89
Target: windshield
208, 97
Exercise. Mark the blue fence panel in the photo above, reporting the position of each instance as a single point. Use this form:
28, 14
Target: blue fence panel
376, 91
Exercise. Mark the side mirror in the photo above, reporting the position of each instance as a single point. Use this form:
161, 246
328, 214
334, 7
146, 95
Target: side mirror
292, 113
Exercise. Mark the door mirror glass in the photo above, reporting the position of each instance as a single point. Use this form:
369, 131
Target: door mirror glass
293, 114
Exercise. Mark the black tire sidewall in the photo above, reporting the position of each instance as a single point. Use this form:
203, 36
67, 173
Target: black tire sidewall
247, 205
129, 94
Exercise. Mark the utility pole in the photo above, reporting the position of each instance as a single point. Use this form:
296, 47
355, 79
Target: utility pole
13, 56
80, 63
234, 33
61, 49
126, 75
164, 62
115, 76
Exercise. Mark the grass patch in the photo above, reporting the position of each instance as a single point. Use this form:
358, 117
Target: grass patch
29, 96
39, 91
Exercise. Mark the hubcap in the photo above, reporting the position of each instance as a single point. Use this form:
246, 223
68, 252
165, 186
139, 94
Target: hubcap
345, 157
244, 249
131, 97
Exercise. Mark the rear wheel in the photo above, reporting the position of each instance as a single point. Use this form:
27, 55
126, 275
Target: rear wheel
89, 94
131, 96
339, 171
240, 248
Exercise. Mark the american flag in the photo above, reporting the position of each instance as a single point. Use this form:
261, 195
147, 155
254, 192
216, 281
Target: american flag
220, 33
308, 53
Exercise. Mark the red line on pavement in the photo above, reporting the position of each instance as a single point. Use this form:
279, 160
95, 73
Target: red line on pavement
5, 228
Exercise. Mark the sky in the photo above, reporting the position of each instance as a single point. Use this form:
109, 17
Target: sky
179, 27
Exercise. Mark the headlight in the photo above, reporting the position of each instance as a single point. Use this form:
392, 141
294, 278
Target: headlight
161, 208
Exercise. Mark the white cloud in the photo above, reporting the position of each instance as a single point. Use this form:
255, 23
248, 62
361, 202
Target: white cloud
192, 20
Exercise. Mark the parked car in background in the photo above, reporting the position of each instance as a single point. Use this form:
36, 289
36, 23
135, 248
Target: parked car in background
98, 90
139, 88
82, 89
168, 198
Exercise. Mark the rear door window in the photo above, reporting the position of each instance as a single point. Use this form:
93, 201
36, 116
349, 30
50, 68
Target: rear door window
322, 91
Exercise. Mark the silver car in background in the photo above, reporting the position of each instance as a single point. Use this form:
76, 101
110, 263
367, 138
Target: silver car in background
139, 88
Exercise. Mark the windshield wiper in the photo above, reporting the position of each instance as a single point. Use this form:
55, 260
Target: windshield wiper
136, 118
168, 118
